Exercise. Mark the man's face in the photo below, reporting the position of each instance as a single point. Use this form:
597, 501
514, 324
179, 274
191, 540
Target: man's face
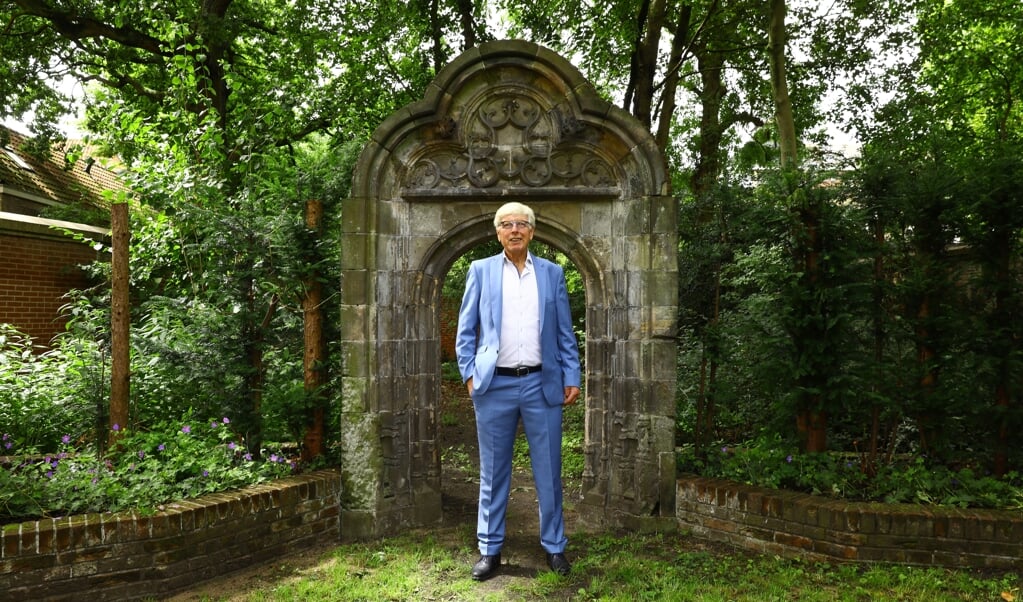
514, 233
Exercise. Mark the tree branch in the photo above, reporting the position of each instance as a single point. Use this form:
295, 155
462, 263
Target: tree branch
74, 26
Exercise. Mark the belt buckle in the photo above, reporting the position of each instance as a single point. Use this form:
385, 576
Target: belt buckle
521, 370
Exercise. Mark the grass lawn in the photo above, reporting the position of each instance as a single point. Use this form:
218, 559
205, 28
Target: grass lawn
434, 565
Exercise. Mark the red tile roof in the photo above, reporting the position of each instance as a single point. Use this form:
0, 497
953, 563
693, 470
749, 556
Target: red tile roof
61, 178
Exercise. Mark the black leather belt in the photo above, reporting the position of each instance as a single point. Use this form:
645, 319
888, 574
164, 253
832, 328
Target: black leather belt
520, 371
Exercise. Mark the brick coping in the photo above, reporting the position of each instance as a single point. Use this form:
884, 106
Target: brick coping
130, 556
814, 527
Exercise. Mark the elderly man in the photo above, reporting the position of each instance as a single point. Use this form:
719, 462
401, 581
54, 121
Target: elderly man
518, 356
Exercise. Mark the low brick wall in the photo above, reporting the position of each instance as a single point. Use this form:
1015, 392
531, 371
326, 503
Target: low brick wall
817, 528
126, 556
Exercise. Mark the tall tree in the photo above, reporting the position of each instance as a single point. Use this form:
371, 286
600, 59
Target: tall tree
970, 56
205, 101
777, 36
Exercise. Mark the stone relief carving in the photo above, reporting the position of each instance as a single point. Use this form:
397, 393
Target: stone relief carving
509, 139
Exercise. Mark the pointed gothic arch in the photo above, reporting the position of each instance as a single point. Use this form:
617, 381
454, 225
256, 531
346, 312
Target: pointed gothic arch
506, 121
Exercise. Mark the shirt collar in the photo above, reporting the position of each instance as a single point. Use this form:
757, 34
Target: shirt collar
529, 258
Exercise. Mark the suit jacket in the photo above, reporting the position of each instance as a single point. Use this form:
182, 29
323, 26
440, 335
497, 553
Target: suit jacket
477, 341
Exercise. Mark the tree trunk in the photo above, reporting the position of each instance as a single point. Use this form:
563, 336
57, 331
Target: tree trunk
313, 355
120, 321
436, 35
869, 466
634, 60
706, 396
254, 336
708, 162
679, 43
1004, 317
214, 81
808, 248
928, 382
467, 22
776, 37
646, 63
811, 418
812, 425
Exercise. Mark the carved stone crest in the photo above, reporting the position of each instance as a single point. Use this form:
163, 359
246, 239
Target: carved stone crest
509, 140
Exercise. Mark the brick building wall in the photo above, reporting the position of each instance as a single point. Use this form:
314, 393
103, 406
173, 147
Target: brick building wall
38, 266
448, 327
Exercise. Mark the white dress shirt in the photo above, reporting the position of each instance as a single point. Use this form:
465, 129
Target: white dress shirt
520, 317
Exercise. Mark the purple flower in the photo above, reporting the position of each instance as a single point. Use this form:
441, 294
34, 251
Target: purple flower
231, 445
247, 457
273, 457
205, 473
65, 439
116, 427
160, 447
8, 445
724, 449
142, 455
186, 429
789, 458
49, 474
213, 424
226, 421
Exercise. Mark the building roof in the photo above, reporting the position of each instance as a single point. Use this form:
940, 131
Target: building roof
70, 175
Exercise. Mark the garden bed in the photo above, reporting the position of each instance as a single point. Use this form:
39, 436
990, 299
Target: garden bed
130, 556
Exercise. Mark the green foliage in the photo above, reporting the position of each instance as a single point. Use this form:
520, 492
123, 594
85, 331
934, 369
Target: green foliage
449, 372
146, 470
834, 290
47, 394
771, 462
572, 441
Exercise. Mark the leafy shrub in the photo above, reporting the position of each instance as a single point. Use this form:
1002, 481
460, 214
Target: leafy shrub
146, 468
770, 462
46, 394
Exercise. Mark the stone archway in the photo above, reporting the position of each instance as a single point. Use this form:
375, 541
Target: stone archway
507, 121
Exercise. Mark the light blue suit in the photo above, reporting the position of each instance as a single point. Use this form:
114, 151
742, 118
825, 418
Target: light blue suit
501, 400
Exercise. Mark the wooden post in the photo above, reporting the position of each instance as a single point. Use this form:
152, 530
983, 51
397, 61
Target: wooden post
313, 354
120, 321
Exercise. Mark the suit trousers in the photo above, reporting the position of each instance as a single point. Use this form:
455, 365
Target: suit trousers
498, 411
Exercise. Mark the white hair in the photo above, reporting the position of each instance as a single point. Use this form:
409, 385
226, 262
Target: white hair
514, 208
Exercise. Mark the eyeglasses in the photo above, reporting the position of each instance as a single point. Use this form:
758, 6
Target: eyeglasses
515, 223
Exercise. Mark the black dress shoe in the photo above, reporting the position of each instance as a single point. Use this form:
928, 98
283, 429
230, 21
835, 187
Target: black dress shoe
486, 567
559, 564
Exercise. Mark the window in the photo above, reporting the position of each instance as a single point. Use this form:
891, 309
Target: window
17, 160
